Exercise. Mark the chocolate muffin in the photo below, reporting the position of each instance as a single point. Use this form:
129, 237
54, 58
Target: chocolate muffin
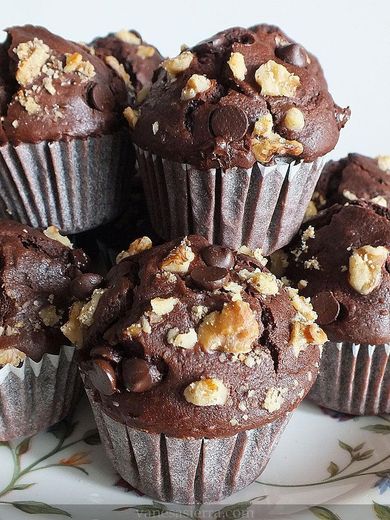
64, 146
341, 260
233, 132
38, 374
353, 177
194, 356
138, 58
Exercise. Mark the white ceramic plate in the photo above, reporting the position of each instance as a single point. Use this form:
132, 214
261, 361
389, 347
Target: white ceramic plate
326, 466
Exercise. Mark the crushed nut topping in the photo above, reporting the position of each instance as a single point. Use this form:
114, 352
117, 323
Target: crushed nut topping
88, 310
264, 283
175, 66
365, 268
233, 329
186, 340
11, 356
131, 116
119, 69
137, 246
128, 37
75, 63
179, 259
235, 289
134, 330
32, 56
155, 127
380, 201
302, 305
312, 263
384, 162
274, 399
162, 306
73, 329
349, 195
198, 312
196, 84
206, 392
257, 254
275, 80
49, 316
53, 233
294, 119
311, 211
146, 51
304, 334
143, 94
28, 103
48, 85
237, 65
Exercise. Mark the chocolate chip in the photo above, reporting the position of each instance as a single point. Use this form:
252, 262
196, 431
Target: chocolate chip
293, 54
229, 122
83, 286
326, 306
105, 352
218, 256
137, 375
102, 376
100, 97
209, 278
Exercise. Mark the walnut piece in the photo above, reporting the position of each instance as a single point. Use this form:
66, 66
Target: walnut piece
137, 246
186, 340
294, 119
179, 259
302, 305
75, 63
88, 310
233, 329
274, 399
196, 84
11, 356
119, 69
206, 392
162, 306
175, 66
264, 283
365, 268
28, 103
304, 334
237, 65
32, 56
49, 316
257, 254
146, 51
311, 211
380, 201
73, 329
128, 37
131, 116
275, 80
53, 233
384, 162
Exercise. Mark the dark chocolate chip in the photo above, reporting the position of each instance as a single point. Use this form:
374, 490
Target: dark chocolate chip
218, 256
229, 122
209, 278
102, 376
106, 353
83, 286
293, 54
100, 97
326, 306
137, 375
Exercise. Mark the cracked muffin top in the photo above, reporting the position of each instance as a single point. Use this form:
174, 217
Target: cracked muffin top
40, 275
54, 89
353, 177
194, 340
244, 95
138, 58
340, 259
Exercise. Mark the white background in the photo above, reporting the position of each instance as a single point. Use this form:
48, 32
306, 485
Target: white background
351, 39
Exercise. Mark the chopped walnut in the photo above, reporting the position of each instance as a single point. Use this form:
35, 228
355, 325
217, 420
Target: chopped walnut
88, 310
257, 254
134, 330
275, 80
186, 340
380, 201
264, 283
28, 103
131, 116
304, 334
119, 69
384, 162
53, 233
175, 66
198, 312
48, 84
312, 263
162, 306
32, 56
179, 259
237, 65
11, 356
233, 329
73, 329
196, 84
49, 316
137, 246
75, 63
302, 305
349, 195
155, 127
235, 289
128, 37
206, 392
274, 399
143, 94
146, 51
365, 268
294, 119
311, 211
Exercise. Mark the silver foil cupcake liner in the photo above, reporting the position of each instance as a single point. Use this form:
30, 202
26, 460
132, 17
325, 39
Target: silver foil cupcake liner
75, 185
259, 207
37, 394
354, 379
186, 471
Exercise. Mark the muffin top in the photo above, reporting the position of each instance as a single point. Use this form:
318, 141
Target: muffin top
54, 89
244, 95
40, 277
138, 58
340, 259
193, 340
354, 177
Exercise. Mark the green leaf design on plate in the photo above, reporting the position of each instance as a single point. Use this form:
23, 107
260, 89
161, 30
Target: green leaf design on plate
323, 513
382, 512
39, 508
92, 437
23, 447
20, 487
346, 447
156, 509
333, 469
363, 456
359, 447
382, 429
234, 511
63, 429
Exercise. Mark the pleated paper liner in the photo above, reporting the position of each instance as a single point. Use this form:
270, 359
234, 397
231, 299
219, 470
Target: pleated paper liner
259, 207
75, 185
354, 379
186, 471
37, 394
